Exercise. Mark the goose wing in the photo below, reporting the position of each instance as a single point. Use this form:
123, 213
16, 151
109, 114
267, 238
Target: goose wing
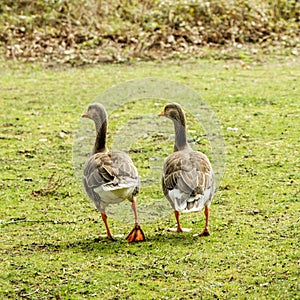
188, 180
110, 175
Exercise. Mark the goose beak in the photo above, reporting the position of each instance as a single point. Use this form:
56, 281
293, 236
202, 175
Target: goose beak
162, 113
85, 115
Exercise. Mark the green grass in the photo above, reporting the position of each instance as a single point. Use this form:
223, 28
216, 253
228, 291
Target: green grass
253, 251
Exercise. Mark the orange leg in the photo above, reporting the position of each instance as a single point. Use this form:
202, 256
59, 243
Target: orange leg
104, 218
205, 231
135, 211
177, 216
179, 228
136, 234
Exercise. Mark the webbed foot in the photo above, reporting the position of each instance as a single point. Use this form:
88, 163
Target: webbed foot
136, 234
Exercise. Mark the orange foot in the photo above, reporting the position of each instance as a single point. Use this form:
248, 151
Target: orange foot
204, 232
136, 234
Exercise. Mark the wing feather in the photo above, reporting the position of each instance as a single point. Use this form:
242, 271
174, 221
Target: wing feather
111, 171
191, 175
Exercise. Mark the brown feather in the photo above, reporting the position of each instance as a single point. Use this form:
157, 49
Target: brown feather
188, 170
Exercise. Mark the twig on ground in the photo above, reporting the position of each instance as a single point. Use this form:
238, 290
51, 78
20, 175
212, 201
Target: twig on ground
52, 186
37, 221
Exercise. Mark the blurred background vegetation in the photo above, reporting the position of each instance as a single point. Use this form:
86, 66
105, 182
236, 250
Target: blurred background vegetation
81, 32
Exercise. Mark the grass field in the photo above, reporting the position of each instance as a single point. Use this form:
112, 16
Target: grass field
50, 245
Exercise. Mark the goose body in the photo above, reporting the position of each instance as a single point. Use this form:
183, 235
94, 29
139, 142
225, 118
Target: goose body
110, 177
188, 180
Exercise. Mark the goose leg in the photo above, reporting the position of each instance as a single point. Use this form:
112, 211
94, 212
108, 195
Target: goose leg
136, 234
179, 228
104, 218
134, 208
205, 231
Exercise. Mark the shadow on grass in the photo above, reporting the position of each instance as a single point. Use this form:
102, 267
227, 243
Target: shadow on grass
162, 240
158, 240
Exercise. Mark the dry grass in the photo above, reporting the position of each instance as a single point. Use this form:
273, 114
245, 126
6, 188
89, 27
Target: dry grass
80, 32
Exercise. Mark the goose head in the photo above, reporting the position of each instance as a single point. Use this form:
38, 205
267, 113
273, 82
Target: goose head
96, 112
174, 112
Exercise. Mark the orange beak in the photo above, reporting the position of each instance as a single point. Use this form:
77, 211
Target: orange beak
85, 115
162, 113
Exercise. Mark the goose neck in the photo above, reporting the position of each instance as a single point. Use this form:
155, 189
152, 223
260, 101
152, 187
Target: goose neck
100, 142
180, 136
